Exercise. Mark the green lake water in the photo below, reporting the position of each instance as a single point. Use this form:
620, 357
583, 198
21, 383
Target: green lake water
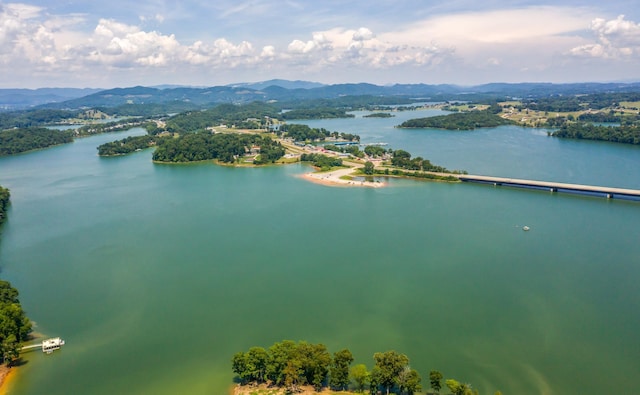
156, 275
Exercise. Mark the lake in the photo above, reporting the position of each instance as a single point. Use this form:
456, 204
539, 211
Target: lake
155, 275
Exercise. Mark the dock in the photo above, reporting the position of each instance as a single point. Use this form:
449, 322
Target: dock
48, 346
592, 190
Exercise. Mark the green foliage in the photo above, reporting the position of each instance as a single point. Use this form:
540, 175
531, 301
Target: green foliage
248, 116
286, 363
126, 145
379, 115
409, 381
116, 126
317, 113
299, 132
374, 151
435, 380
618, 134
31, 118
361, 376
458, 388
390, 365
226, 148
368, 168
324, 162
15, 141
340, 369
14, 324
402, 159
459, 121
4, 203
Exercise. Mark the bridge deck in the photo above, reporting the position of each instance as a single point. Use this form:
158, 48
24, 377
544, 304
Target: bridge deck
553, 186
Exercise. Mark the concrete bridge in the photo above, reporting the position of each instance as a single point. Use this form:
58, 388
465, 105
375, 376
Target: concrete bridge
592, 190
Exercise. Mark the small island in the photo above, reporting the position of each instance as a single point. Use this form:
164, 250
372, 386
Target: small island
469, 120
379, 115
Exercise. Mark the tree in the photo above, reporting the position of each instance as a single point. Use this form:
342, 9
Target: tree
435, 380
390, 364
458, 388
340, 369
368, 168
409, 381
361, 376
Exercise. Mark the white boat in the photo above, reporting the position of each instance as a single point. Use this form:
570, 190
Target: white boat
525, 228
50, 345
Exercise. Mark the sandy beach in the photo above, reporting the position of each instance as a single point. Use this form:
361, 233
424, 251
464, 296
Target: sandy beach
6, 375
333, 178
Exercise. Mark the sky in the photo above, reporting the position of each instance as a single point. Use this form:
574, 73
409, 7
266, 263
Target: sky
121, 43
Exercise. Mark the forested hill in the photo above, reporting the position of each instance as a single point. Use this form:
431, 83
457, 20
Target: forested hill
458, 121
15, 141
244, 93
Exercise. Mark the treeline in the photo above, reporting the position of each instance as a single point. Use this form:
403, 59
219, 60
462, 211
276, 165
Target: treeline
15, 141
628, 134
115, 126
248, 116
299, 132
14, 324
458, 121
289, 365
127, 145
226, 148
4, 203
379, 115
578, 102
402, 159
30, 118
349, 149
323, 162
317, 113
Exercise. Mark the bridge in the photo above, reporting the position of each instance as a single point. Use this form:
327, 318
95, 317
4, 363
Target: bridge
592, 190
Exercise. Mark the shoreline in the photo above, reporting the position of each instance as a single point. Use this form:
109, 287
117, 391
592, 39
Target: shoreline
7, 375
334, 178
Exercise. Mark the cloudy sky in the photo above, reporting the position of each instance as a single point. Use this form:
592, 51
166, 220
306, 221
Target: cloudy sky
117, 43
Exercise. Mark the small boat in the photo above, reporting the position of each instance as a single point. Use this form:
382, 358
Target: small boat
525, 228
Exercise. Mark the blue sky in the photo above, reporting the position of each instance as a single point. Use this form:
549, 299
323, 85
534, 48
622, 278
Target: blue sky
115, 43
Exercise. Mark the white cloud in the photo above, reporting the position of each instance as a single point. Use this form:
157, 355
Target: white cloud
616, 38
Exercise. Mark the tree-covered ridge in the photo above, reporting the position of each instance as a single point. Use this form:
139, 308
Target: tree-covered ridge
127, 145
248, 116
290, 365
14, 324
15, 141
115, 126
4, 203
31, 118
458, 121
628, 134
317, 113
226, 148
299, 132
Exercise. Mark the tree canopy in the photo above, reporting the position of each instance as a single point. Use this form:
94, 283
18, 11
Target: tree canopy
15, 141
459, 121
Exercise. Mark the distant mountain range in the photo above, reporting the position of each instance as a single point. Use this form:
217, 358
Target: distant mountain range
285, 91
12, 99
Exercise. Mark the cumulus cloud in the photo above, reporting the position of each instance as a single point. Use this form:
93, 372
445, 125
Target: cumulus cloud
616, 38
